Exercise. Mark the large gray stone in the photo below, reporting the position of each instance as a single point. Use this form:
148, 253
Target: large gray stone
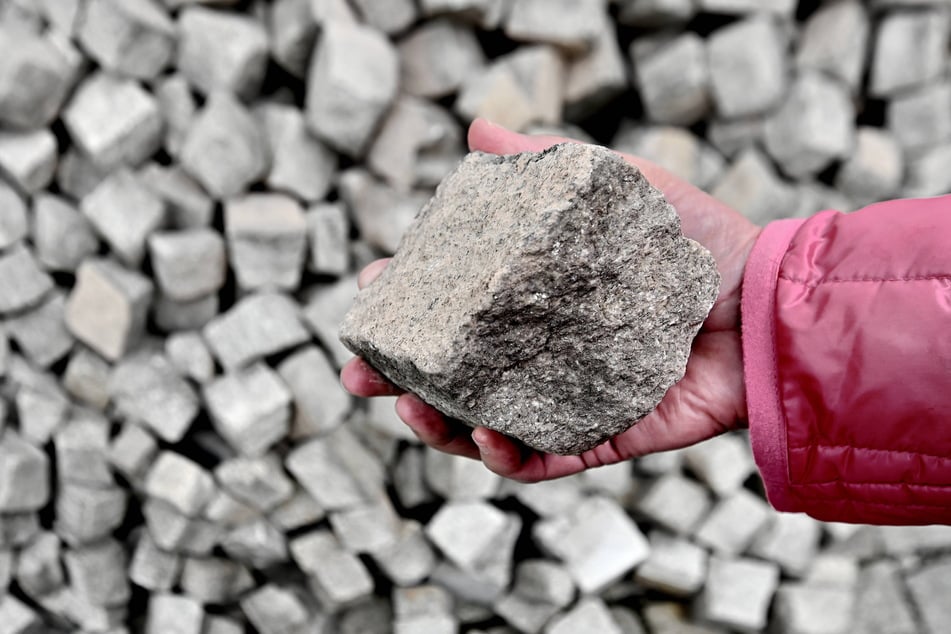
256, 327
674, 81
146, 388
381, 213
129, 37
25, 471
28, 159
520, 321
929, 589
221, 50
835, 40
225, 149
353, 79
22, 283
320, 403
41, 333
35, 78
597, 540
188, 264
814, 126
802, 608
267, 241
882, 605
910, 50
436, 58
747, 67
249, 408
62, 237
125, 213
302, 165
738, 593
13, 217
571, 24
293, 29
114, 121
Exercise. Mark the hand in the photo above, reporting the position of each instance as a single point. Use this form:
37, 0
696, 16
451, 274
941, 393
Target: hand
709, 400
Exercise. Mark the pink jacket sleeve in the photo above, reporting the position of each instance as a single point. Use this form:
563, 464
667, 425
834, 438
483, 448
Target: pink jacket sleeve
847, 353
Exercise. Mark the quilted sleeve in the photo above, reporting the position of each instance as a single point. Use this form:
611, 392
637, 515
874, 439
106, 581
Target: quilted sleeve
847, 353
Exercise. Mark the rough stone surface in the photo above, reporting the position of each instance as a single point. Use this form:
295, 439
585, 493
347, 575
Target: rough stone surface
527, 276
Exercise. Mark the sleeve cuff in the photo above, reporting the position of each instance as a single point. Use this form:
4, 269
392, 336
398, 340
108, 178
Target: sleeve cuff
758, 319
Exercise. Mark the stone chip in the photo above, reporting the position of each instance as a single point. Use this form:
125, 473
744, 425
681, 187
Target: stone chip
538, 313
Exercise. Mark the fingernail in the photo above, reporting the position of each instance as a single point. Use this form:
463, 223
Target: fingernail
483, 449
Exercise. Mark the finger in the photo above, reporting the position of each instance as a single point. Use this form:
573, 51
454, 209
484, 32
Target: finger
431, 427
485, 136
498, 452
510, 459
371, 271
360, 379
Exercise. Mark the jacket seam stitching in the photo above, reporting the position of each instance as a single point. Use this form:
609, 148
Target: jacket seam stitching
896, 485
837, 280
872, 449
891, 505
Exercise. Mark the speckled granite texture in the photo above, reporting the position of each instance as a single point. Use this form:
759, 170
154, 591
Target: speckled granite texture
550, 296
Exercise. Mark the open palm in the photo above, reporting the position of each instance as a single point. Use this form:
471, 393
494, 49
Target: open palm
709, 400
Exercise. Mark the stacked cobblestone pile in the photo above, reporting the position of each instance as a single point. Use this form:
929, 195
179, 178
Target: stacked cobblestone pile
187, 190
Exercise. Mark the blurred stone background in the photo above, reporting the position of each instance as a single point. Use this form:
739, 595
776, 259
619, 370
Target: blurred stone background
187, 189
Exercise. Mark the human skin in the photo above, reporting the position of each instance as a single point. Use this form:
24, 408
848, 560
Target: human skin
709, 400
